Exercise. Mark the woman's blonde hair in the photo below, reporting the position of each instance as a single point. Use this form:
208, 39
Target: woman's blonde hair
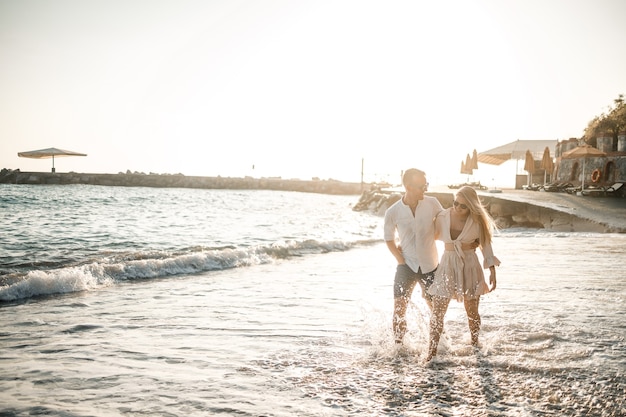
479, 213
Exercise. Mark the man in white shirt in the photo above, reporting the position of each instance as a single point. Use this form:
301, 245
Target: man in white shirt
412, 218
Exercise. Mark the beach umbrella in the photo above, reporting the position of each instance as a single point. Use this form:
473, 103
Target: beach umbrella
547, 164
468, 165
583, 152
463, 169
49, 153
529, 162
514, 150
529, 165
475, 160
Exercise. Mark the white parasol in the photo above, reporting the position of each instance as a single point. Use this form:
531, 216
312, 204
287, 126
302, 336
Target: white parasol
49, 153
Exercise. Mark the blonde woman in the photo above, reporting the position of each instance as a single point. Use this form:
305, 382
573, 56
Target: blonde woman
460, 274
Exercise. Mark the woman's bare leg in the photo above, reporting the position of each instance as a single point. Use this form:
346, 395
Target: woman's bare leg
473, 319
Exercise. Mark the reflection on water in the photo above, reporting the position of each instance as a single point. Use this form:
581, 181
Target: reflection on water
552, 343
471, 384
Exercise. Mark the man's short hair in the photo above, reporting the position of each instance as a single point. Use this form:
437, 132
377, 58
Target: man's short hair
410, 174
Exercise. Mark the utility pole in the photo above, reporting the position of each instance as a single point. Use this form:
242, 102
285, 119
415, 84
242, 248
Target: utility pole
362, 165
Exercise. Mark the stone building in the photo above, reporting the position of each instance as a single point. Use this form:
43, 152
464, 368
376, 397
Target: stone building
598, 170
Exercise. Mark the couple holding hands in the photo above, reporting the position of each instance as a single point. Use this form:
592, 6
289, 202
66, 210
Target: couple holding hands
417, 221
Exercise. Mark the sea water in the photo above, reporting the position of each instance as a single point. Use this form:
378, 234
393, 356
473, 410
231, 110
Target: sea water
181, 302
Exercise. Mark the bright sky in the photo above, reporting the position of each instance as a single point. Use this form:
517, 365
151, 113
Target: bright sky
299, 89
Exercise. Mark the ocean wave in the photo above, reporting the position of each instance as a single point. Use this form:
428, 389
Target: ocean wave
111, 268
523, 232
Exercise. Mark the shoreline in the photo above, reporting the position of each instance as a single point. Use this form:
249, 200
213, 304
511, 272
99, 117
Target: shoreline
559, 212
511, 208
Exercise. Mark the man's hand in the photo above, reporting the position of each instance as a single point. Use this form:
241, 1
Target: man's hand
396, 251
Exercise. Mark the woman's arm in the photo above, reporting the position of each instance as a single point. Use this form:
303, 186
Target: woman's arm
492, 278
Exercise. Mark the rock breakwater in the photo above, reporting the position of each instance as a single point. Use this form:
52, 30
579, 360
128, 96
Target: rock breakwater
129, 179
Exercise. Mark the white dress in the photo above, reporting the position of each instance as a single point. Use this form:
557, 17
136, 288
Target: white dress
460, 274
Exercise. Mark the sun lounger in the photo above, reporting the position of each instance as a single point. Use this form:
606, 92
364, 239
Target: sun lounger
551, 187
615, 188
557, 186
475, 185
572, 190
604, 191
594, 191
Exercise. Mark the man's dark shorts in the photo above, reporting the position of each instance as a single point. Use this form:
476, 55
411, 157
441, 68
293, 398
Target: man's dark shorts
405, 281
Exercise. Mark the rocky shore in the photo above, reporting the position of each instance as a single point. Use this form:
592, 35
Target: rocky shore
559, 212
136, 179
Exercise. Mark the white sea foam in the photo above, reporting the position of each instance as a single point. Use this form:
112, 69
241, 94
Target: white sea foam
135, 266
66, 280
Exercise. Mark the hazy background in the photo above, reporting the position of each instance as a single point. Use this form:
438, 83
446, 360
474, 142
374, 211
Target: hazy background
300, 89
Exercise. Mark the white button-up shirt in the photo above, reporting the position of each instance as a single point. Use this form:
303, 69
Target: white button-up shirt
416, 233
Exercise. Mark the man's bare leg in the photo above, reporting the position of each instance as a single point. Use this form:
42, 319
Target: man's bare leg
399, 317
440, 306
